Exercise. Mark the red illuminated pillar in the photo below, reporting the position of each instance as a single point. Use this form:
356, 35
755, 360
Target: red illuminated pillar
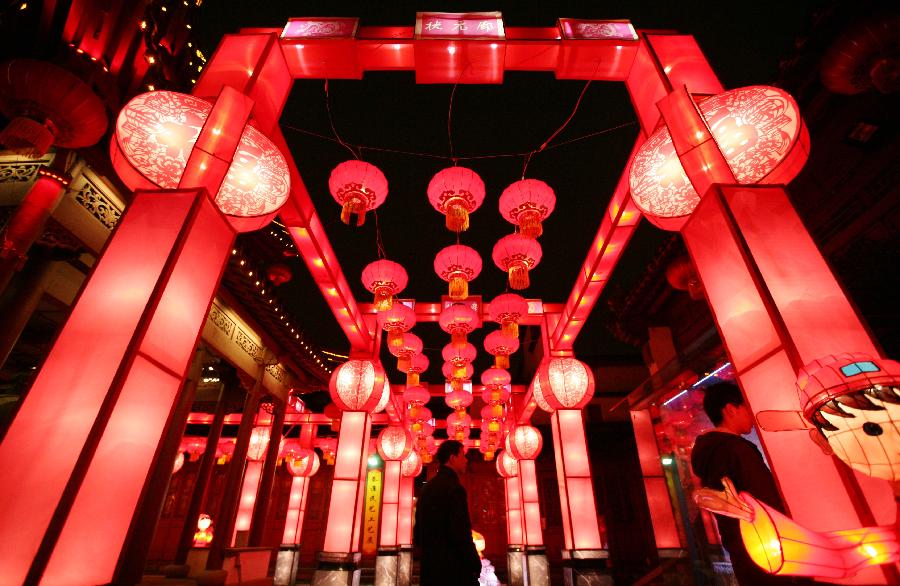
288, 560
261, 507
538, 569
339, 562
665, 530
405, 529
515, 555
251, 483
122, 357
387, 562
27, 223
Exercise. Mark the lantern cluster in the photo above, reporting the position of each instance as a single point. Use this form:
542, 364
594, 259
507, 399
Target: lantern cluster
496, 395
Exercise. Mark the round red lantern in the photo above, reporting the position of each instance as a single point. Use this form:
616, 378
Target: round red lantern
279, 273
566, 383
760, 133
384, 278
507, 310
410, 346
411, 465
458, 320
153, 140
418, 423
500, 347
507, 466
524, 442
495, 394
259, 443
357, 385
359, 187
304, 463
681, 275
397, 319
517, 255
385, 397
459, 358
417, 365
415, 397
458, 265
495, 377
458, 400
456, 192
450, 371
537, 393
458, 425
527, 203
394, 443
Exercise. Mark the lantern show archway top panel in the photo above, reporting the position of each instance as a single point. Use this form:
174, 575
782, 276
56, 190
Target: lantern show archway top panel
155, 134
760, 133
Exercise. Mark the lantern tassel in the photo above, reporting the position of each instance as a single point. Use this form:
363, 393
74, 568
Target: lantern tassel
458, 339
459, 370
384, 300
456, 384
403, 363
530, 224
412, 379
518, 276
510, 328
457, 218
501, 361
353, 207
461, 412
459, 288
395, 338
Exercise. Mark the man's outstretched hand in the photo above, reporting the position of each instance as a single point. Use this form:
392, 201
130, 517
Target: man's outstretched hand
724, 502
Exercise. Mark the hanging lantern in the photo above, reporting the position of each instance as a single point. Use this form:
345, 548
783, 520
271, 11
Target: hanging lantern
524, 442
500, 347
328, 445
224, 450
450, 371
279, 273
517, 255
458, 426
527, 203
384, 278
411, 466
394, 443
495, 394
458, 320
488, 449
566, 383
417, 365
415, 397
385, 397
154, 138
458, 400
863, 56
456, 192
395, 320
760, 133
459, 358
305, 463
359, 187
494, 410
507, 310
495, 380
47, 105
507, 466
681, 275
410, 345
458, 265
333, 413
179, 462
490, 421
259, 443
537, 393
418, 424
357, 385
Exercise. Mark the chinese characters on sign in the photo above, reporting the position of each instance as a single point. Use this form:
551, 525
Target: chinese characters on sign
320, 28
472, 25
371, 512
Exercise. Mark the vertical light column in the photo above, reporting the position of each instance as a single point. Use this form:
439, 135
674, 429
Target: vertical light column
387, 563
665, 531
515, 554
536, 557
267, 476
293, 523
250, 484
405, 530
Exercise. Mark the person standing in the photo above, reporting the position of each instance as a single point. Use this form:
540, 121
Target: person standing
443, 529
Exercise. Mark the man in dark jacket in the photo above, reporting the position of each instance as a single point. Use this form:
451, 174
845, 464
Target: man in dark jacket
723, 452
443, 529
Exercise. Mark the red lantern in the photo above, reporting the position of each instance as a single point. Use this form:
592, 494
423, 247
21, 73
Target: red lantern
359, 187
495, 377
394, 443
491, 420
456, 192
537, 393
458, 426
524, 442
384, 278
865, 55
397, 319
410, 345
458, 320
459, 358
449, 370
507, 466
417, 365
357, 385
415, 397
458, 400
507, 309
411, 465
259, 443
305, 463
527, 203
517, 255
681, 275
279, 273
500, 347
760, 133
418, 422
495, 394
458, 265
155, 135
566, 383
385, 397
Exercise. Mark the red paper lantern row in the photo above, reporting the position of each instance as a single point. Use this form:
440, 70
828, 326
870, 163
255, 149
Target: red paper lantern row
524, 442
417, 365
357, 385
507, 466
410, 346
517, 255
456, 192
566, 383
394, 443
384, 278
396, 320
507, 310
500, 347
458, 265
359, 187
458, 320
527, 203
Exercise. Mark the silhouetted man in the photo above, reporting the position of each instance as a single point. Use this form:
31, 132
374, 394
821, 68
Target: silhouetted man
443, 529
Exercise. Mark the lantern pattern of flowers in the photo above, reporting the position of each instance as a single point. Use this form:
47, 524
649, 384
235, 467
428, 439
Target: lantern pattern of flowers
357, 385
459, 358
500, 347
517, 255
410, 346
507, 310
396, 320
566, 383
358, 187
524, 442
394, 443
527, 203
304, 463
456, 192
411, 466
385, 397
417, 365
507, 466
384, 278
458, 320
458, 265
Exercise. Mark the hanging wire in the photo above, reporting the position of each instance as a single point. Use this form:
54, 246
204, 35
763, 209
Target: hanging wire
379, 245
450, 122
331, 122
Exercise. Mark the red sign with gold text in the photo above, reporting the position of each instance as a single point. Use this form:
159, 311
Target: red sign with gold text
461, 26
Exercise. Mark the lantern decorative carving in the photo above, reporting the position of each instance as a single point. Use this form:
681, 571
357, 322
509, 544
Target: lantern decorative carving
359, 187
396, 320
450, 371
507, 466
524, 442
415, 397
259, 443
357, 385
456, 192
500, 347
411, 465
517, 255
527, 203
155, 135
507, 310
459, 358
279, 273
417, 365
458, 265
566, 383
384, 278
537, 393
458, 320
410, 346
760, 133
394, 443
305, 462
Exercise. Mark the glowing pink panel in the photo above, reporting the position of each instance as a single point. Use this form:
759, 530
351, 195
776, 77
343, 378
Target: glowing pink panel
405, 512
345, 509
249, 486
665, 530
472, 25
531, 510
579, 511
513, 511
390, 504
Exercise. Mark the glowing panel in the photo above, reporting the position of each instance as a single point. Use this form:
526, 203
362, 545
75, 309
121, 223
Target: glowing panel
345, 509
390, 504
405, 510
531, 510
249, 486
579, 511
